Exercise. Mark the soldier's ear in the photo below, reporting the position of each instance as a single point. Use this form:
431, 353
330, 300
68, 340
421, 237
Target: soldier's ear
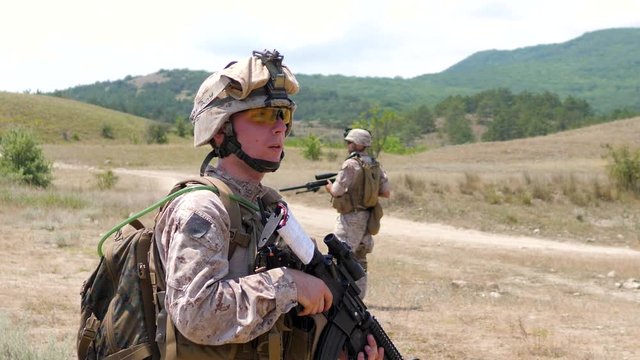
217, 139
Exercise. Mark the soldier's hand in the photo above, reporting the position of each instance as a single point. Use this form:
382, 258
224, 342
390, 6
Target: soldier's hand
370, 350
328, 186
313, 294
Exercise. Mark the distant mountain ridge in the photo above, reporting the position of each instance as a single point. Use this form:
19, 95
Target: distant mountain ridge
602, 67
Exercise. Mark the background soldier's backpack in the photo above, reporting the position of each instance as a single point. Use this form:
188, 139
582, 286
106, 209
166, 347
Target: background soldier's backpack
118, 314
371, 173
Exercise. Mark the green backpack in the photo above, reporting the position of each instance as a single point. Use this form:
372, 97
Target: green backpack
118, 313
371, 174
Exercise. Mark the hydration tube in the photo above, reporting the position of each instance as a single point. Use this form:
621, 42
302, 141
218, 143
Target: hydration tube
166, 199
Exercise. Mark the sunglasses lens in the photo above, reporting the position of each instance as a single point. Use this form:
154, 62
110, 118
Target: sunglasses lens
270, 115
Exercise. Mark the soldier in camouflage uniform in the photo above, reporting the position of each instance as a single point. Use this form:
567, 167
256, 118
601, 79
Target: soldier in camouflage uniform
216, 302
351, 227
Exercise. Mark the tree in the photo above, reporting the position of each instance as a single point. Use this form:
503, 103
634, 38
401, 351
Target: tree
459, 129
381, 123
422, 118
21, 158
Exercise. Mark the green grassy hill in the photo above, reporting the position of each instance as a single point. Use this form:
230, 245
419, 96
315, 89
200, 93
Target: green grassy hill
57, 120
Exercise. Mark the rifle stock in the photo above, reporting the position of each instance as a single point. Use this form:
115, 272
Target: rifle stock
349, 321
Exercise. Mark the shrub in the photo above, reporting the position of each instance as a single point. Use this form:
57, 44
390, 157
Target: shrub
21, 158
106, 180
181, 126
624, 167
107, 131
312, 148
157, 134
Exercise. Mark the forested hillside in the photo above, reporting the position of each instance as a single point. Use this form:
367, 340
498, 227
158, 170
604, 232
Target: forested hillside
601, 67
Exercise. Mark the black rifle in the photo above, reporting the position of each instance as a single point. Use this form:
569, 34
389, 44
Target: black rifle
313, 185
349, 321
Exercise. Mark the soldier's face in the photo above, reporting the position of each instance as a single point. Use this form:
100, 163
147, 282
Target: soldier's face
260, 139
351, 147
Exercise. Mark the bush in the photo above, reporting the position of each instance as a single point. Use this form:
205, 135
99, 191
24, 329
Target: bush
624, 168
107, 131
106, 180
312, 148
181, 126
157, 134
22, 159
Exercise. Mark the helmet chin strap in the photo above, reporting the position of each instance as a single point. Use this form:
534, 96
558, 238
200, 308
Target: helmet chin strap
230, 145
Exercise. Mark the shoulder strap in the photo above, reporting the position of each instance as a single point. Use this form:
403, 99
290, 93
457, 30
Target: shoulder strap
353, 155
148, 304
237, 234
271, 196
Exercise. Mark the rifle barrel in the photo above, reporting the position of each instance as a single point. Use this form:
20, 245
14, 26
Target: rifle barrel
293, 188
310, 186
325, 176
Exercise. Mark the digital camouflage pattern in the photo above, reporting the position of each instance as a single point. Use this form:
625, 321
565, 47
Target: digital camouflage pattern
112, 317
359, 136
211, 300
351, 227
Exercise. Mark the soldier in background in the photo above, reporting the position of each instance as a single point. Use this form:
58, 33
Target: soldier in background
359, 209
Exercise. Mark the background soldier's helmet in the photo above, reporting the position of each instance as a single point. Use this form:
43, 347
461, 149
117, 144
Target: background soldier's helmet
257, 81
359, 137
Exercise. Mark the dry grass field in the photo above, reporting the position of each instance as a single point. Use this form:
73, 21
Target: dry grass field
514, 250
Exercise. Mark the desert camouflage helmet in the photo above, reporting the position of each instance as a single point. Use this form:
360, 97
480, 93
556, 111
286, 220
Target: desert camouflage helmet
257, 81
359, 137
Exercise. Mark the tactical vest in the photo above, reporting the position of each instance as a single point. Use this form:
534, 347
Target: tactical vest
363, 192
290, 338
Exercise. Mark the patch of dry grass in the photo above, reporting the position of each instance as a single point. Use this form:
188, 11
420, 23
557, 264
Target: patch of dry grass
457, 303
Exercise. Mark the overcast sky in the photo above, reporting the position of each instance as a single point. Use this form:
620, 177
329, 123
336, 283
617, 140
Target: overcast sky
55, 44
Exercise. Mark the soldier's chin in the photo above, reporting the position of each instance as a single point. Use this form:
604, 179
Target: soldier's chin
275, 155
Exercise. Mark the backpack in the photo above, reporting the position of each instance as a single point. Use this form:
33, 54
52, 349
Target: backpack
118, 311
371, 173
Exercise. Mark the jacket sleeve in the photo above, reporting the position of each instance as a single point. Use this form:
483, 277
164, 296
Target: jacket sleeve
206, 307
385, 186
345, 177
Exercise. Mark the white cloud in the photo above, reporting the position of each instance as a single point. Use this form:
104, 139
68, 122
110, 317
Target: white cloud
51, 45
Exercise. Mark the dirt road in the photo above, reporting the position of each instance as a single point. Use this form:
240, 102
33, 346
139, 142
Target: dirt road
319, 221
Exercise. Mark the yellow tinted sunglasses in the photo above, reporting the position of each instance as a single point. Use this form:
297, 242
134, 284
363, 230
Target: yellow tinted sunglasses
269, 115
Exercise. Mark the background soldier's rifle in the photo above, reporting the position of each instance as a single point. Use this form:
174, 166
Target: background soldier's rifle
313, 185
349, 321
